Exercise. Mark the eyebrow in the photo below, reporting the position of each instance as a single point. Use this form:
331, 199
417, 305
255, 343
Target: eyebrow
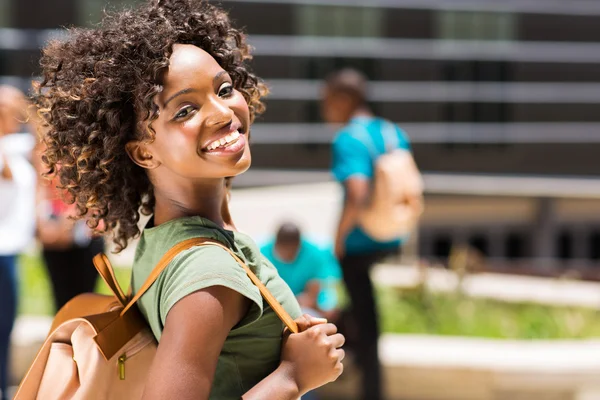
190, 90
184, 91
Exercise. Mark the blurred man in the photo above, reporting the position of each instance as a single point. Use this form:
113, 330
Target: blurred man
357, 146
17, 210
307, 269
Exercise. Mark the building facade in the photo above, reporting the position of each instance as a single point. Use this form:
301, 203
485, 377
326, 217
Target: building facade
503, 90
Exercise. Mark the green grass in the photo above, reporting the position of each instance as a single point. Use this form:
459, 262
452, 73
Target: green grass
410, 311
419, 312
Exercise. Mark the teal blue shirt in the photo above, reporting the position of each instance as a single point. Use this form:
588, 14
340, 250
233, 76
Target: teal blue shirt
355, 150
311, 263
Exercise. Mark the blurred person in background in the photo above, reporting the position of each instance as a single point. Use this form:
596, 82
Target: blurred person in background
310, 271
358, 144
68, 245
17, 210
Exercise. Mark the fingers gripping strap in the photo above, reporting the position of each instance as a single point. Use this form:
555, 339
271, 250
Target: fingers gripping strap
186, 244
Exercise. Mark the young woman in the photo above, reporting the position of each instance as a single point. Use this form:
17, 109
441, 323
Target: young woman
150, 113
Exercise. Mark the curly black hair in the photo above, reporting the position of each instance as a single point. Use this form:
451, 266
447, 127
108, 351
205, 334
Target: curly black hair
99, 83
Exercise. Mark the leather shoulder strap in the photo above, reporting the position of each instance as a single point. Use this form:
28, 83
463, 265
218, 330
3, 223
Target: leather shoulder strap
186, 244
160, 267
107, 273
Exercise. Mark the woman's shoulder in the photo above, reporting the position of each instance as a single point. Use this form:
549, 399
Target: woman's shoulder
194, 269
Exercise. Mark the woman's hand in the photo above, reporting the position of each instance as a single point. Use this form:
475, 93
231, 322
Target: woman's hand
313, 357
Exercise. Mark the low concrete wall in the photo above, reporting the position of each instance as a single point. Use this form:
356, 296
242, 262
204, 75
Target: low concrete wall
449, 368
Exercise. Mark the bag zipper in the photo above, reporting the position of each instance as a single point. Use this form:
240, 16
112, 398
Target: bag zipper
127, 355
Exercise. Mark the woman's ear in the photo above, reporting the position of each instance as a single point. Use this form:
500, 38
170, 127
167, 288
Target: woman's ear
141, 155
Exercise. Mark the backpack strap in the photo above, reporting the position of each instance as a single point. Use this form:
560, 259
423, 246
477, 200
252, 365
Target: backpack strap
107, 273
389, 135
186, 244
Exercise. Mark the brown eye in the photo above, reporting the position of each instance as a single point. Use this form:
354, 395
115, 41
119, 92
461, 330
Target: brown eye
184, 112
225, 90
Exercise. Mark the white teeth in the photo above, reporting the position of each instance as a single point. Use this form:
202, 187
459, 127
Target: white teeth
221, 142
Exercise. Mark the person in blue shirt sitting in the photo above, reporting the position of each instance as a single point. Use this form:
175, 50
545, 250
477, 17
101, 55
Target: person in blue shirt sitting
310, 271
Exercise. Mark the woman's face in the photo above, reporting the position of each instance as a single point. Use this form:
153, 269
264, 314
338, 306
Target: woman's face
203, 123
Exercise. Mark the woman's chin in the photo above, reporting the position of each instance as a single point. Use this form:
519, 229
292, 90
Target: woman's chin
242, 165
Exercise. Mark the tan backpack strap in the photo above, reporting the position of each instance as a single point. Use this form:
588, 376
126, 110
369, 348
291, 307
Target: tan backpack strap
186, 244
106, 271
160, 267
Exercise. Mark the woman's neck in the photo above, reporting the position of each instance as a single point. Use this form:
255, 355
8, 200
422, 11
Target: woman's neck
204, 199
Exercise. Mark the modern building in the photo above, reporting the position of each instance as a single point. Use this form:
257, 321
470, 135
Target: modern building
501, 101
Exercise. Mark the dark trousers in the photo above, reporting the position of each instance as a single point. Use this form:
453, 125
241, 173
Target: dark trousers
8, 310
364, 320
72, 271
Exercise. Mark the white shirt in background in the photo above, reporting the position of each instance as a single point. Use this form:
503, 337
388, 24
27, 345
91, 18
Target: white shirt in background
17, 196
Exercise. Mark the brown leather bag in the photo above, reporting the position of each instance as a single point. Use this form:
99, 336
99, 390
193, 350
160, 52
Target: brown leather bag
100, 347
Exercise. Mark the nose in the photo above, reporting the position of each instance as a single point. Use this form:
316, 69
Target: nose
219, 112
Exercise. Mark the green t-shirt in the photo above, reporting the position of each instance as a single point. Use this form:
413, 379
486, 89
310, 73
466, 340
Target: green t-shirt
252, 348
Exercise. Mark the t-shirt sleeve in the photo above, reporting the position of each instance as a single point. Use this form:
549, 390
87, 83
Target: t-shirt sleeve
199, 268
351, 158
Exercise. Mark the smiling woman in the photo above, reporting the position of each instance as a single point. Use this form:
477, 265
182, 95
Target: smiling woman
150, 113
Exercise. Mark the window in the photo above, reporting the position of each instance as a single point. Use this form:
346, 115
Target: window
480, 242
6, 14
594, 245
564, 245
316, 20
567, 28
568, 112
409, 23
471, 25
442, 245
515, 245
473, 72
262, 19
90, 12
299, 67
554, 71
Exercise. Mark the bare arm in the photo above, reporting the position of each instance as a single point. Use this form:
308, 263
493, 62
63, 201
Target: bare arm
189, 349
308, 298
357, 193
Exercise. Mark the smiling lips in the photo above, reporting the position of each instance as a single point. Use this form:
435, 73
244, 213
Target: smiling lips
224, 142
